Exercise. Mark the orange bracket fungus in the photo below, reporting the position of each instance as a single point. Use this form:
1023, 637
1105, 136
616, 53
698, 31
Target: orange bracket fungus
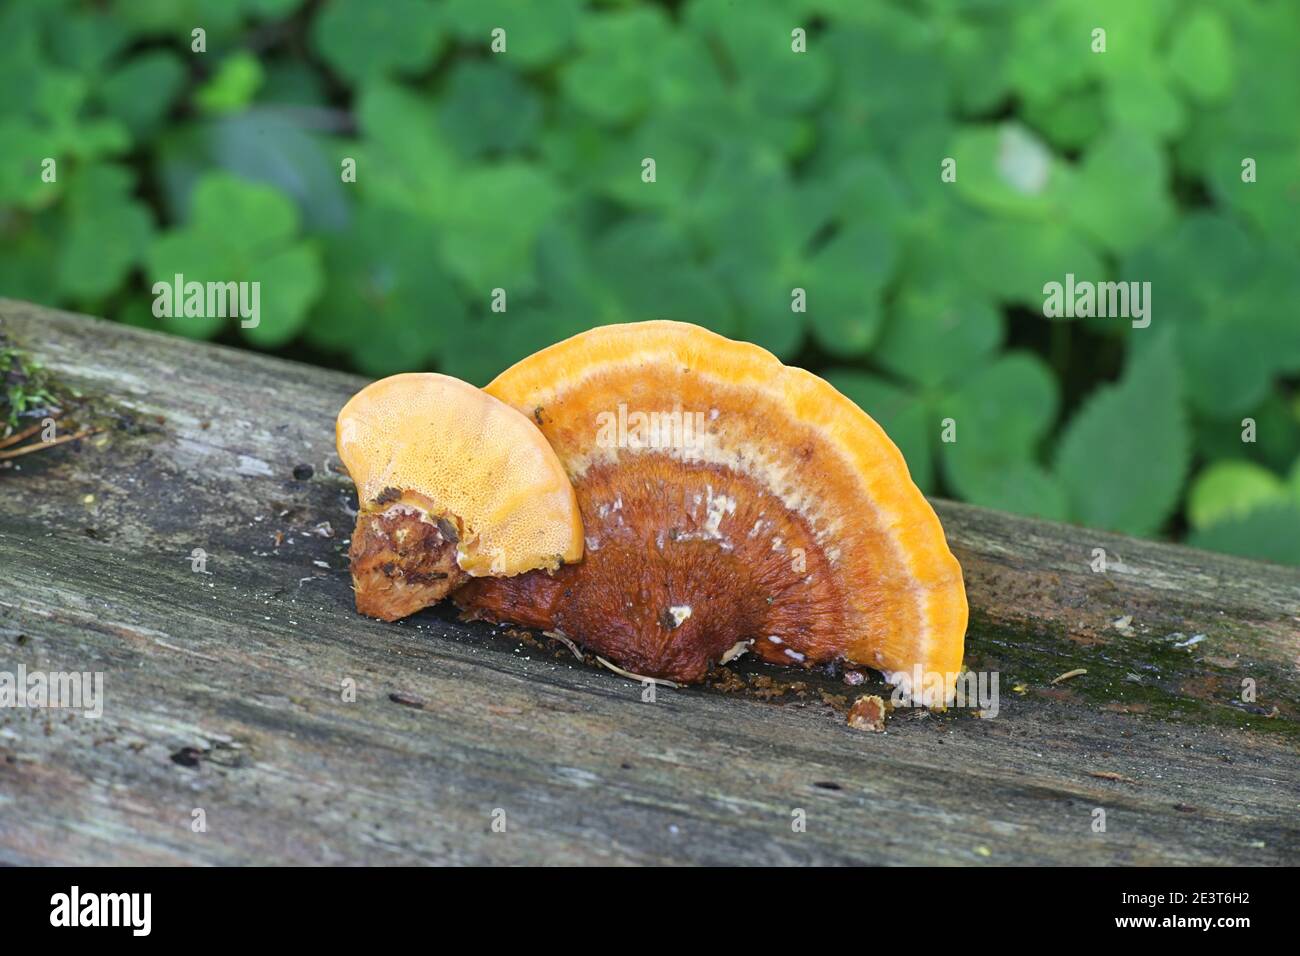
451, 484
729, 504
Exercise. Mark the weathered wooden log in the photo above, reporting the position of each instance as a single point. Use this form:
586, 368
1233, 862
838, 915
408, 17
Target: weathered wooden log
193, 552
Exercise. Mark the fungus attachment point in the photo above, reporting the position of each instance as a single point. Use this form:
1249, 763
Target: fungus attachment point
451, 484
727, 501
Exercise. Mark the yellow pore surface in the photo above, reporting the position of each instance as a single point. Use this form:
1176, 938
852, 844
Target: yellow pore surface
472, 457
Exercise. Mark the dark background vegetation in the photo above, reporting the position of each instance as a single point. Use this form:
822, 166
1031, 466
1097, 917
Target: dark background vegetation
775, 170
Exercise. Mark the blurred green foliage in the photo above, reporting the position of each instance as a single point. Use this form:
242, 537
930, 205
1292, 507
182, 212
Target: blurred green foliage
522, 170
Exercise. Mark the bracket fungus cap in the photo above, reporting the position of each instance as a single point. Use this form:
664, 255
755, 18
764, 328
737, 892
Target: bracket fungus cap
729, 499
451, 482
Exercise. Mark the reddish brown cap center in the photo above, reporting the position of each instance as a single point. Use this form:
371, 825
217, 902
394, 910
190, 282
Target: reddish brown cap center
683, 561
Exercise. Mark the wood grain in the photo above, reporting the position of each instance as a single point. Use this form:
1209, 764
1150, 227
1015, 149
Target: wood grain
224, 688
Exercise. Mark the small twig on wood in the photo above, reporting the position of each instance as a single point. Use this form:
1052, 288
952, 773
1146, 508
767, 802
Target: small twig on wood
1069, 675
40, 446
27, 432
1110, 775
564, 638
628, 674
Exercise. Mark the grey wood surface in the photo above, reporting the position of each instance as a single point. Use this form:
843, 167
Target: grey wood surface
224, 692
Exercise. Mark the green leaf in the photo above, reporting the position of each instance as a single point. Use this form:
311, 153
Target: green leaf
647, 267
233, 86
755, 40
293, 280
269, 146
27, 259
975, 53
491, 224
1272, 202
1134, 32
1275, 424
142, 90
1258, 120
1277, 442
26, 146
690, 80
256, 217
486, 108
93, 139
363, 40
88, 40
678, 159
576, 299
1269, 533
108, 233
613, 77
751, 208
844, 280
866, 189
1012, 260
1201, 56
998, 416
1053, 55
1051, 51
294, 82
241, 232
536, 33
196, 258
936, 331
492, 342
404, 159
1071, 121
272, 8
765, 316
386, 304
1006, 170
1218, 291
1124, 455
1007, 406
1120, 196
178, 17
756, 224
1227, 490
1021, 487
59, 96
903, 417
22, 55
889, 77
1142, 99
138, 312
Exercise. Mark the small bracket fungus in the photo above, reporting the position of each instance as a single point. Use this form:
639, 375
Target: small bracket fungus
782, 510
451, 484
